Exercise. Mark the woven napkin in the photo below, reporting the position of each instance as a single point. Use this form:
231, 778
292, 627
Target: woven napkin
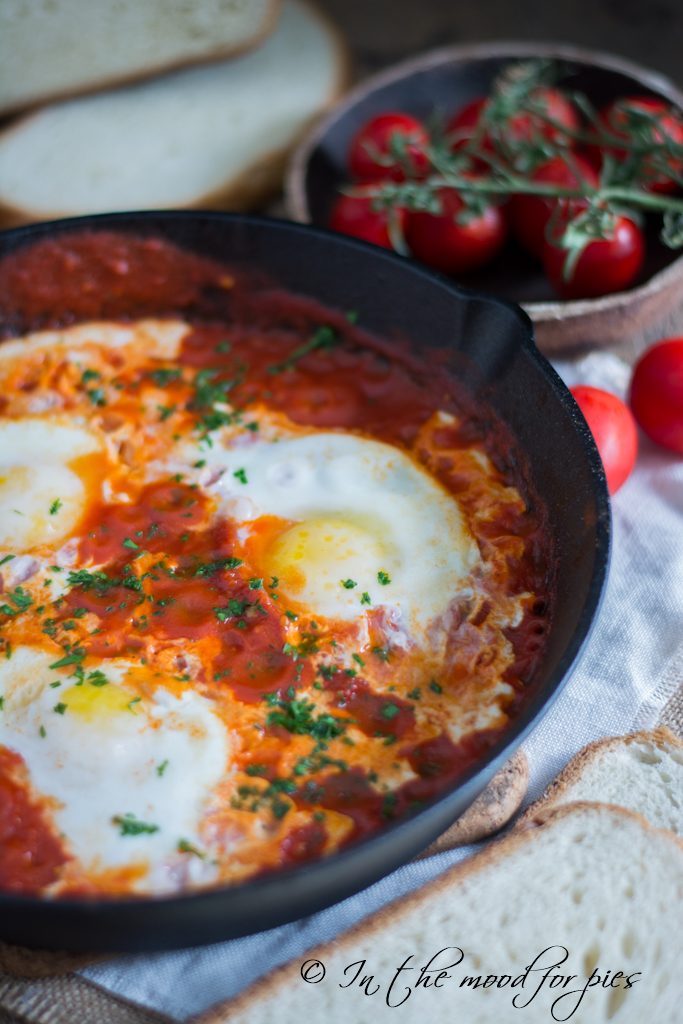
629, 678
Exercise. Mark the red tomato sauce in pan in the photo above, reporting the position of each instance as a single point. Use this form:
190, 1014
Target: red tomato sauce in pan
254, 343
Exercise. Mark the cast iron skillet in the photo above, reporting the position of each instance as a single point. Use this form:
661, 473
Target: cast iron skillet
492, 342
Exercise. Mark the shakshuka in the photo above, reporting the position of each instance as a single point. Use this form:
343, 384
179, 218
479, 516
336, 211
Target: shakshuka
268, 583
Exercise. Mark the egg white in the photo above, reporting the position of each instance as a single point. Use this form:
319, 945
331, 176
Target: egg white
365, 525
103, 758
41, 496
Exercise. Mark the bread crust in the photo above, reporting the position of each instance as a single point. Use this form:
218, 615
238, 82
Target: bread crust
445, 884
257, 183
661, 736
495, 806
150, 70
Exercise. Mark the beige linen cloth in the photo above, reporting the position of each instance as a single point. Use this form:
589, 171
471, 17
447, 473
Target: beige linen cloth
629, 678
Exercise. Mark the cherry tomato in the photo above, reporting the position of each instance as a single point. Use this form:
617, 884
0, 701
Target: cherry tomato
353, 215
519, 127
443, 242
529, 215
604, 266
657, 393
614, 432
667, 124
372, 143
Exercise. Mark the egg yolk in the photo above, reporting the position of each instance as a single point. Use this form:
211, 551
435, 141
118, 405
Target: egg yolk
91, 702
328, 565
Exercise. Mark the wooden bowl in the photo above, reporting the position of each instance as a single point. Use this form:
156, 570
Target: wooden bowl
446, 79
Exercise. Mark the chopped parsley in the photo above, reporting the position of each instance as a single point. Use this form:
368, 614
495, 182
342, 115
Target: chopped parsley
161, 768
97, 678
365, 598
389, 711
130, 543
435, 687
383, 578
165, 375
60, 708
7, 558
255, 583
130, 826
241, 475
234, 609
299, 717
325, 337
211, 568
381, 652
185, 846
42, 732
348, 584
20, 598
55, 506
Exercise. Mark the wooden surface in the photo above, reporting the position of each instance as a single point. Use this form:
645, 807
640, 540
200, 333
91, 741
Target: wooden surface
384, 31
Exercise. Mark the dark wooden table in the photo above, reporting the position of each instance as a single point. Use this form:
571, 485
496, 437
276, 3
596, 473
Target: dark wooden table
384, 31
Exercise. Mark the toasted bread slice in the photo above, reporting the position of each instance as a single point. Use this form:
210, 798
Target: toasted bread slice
214, 136
595, 880
56, 48
642, 772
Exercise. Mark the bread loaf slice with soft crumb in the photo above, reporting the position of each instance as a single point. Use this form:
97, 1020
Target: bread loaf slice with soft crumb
54, 48
214, 136
593, 879
642, 772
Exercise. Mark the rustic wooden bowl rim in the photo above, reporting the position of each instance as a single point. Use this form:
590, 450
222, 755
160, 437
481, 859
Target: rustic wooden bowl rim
295, 180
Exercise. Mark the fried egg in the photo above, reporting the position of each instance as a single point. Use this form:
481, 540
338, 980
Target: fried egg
347, 524
126, 770
44, 475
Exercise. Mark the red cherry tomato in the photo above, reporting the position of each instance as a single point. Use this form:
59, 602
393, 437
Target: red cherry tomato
614, 432
353, 215
519, 127
604, 266
667, 124
443, 242
529, 215
657, 393
372, 143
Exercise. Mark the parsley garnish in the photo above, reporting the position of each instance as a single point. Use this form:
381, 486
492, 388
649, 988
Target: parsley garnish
185, 846
130, 826
161, 768
60, 708
255, 583
21, 600
325, 337
435, 687
210, 568
383, 578
130, 543
165, 374
348, 584
55, 506
241, 475
389, 711
232, 610
365, 598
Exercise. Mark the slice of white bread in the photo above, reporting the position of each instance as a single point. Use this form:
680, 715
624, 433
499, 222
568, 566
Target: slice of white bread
214, 136
592, 878
54, 48
642, 772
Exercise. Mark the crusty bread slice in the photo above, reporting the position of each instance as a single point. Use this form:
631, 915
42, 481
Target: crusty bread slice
214, 136
642, 772
594, 879
56, 48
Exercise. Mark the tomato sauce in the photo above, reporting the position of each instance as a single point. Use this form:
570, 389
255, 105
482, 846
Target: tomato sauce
172, 573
